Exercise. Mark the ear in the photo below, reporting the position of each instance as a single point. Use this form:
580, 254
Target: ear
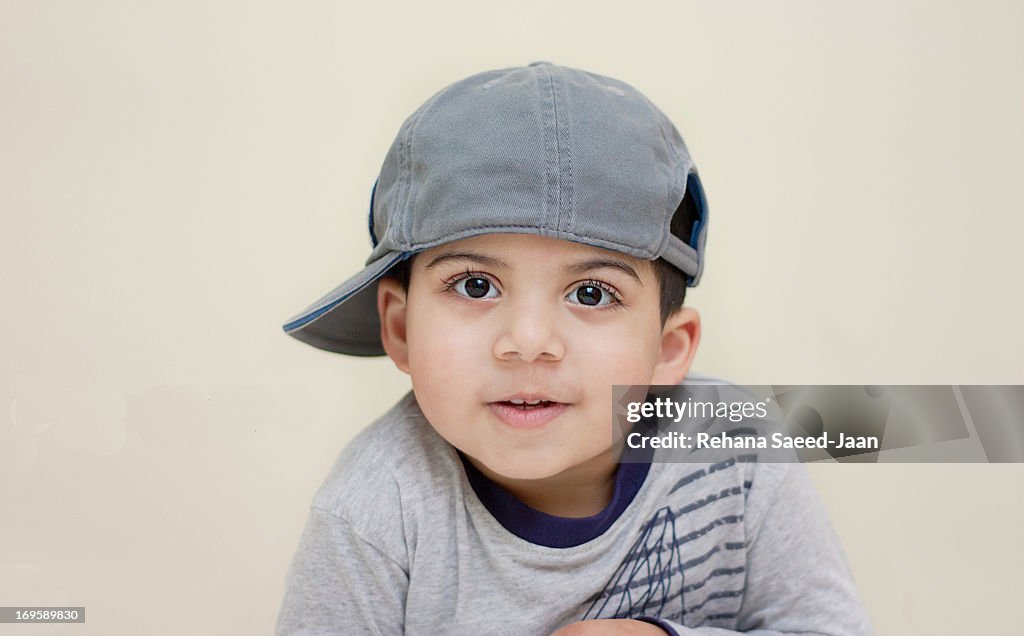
679, 340
391, 307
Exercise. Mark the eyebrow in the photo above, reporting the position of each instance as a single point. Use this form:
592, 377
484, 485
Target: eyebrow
486, 261
581, 267
602, 262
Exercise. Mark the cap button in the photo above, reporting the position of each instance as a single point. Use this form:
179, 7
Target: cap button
539, 63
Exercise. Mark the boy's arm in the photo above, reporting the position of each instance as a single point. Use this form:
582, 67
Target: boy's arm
339, 583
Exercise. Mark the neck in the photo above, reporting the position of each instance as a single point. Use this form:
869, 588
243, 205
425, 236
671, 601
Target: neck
581, 491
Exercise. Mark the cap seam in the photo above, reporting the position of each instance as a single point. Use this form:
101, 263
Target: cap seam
397, 228
550, 153
406, 220
566, 187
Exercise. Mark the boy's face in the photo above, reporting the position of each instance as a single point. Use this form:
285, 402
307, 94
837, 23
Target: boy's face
504, 316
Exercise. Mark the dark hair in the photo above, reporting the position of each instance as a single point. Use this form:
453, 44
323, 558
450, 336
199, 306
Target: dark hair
671, 281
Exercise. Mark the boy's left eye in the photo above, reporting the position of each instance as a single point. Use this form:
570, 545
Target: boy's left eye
592, 295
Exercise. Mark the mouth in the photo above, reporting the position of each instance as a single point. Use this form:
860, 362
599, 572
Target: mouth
526, 405
527, 412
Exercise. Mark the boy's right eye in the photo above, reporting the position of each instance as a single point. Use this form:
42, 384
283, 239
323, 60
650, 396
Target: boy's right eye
474, 287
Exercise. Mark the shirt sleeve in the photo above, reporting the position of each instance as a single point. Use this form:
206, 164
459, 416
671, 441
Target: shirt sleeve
340, 583
798, 579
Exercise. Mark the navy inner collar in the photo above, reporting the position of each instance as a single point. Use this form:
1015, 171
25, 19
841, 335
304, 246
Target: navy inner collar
549, 530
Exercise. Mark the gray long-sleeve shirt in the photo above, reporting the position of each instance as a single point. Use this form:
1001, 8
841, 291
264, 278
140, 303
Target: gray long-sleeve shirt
405, 537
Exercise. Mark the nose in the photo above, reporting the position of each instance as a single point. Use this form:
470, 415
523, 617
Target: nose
529, 329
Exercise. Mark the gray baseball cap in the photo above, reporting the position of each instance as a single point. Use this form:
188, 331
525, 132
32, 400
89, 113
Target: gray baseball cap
542, 149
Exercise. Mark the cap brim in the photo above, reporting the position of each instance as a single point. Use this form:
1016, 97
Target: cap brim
345, 319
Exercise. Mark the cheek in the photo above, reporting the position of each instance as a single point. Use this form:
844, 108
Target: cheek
445, 362
623, 356
439, 347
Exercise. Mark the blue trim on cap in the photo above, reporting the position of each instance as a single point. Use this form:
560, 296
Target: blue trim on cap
299, 322
373, 193
551, 531
693, 183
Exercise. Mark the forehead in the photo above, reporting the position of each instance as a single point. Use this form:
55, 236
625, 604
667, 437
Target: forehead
514, 251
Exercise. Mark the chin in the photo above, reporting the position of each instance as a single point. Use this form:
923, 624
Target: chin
524, 469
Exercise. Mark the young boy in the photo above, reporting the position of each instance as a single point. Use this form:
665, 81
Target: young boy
534, 230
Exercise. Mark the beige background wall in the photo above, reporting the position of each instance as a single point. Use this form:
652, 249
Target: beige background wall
178, 178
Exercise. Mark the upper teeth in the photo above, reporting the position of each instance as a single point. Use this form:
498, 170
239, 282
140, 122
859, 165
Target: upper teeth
525, 401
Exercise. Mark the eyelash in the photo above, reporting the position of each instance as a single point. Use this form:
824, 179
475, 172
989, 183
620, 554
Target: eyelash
616, 302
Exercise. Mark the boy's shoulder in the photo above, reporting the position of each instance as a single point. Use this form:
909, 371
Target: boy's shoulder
385, 468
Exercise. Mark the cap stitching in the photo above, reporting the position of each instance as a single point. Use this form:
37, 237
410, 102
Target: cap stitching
550, 154
562, 124
399, 223
552, 81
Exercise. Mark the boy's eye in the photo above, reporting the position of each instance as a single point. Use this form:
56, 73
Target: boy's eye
592, 296
474, 287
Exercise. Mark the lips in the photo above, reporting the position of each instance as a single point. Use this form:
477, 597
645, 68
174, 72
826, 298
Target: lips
529, 399
527, 410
